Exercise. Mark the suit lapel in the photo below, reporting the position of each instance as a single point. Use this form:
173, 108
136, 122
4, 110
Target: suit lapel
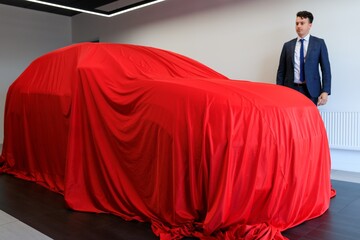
310, 45
293, 45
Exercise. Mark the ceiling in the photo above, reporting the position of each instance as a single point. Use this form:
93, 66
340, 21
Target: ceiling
105, 7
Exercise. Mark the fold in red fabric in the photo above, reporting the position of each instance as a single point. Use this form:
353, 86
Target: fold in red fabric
150, 135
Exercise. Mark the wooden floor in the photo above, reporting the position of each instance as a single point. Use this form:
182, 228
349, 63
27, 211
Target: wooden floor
46, 212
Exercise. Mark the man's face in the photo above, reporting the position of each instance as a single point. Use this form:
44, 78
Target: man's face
302, 26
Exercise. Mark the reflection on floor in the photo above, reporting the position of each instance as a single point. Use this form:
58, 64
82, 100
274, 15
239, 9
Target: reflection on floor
31, 212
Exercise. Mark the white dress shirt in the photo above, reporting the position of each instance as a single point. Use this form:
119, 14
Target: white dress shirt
297, 57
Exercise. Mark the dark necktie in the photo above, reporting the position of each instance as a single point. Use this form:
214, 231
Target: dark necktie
302, 71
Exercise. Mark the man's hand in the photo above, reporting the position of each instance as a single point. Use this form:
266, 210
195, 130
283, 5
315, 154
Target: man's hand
323, 98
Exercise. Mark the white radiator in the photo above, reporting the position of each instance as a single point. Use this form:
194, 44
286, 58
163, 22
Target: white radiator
343, 129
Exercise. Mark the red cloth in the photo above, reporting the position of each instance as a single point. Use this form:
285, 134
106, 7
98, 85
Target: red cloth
151, 135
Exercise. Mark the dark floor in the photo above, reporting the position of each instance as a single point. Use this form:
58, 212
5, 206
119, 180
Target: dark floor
46, 212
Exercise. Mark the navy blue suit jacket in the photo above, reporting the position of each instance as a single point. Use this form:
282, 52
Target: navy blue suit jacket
317, 55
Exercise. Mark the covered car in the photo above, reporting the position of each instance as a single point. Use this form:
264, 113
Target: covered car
151, 135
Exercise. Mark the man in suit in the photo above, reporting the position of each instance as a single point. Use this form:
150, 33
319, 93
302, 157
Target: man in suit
300, 60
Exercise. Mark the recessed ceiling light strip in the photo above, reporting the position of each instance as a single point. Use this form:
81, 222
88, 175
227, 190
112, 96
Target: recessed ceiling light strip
135, 7
96, 13
68, 8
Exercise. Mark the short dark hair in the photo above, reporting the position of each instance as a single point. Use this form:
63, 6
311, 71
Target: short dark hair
305, 14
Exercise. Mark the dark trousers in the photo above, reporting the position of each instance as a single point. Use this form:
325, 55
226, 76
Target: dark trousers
303, 89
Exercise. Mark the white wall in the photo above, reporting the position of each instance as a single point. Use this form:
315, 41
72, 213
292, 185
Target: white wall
239, 38
25, 35
243, 39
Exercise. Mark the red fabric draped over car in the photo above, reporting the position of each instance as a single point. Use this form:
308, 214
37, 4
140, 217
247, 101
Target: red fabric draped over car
150, 135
